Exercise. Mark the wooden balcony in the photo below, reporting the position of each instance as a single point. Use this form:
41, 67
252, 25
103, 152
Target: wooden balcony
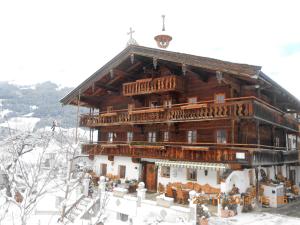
243, 154
247, 107
177, 113
265, 158
156, 85
217, 154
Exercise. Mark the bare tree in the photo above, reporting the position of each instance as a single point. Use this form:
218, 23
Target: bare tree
22, 161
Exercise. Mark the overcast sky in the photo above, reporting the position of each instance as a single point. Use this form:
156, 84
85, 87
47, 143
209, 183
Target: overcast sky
66, 41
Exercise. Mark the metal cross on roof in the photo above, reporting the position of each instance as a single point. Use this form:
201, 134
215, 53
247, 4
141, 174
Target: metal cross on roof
131, 41
130, 32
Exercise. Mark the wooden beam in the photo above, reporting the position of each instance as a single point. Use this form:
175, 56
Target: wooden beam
134, 66
258, 131
202, 76
250, 87
91, 100
232, 130
107, 87
227, 79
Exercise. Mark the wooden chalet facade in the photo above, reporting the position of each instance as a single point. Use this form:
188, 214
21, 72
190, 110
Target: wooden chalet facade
151, 105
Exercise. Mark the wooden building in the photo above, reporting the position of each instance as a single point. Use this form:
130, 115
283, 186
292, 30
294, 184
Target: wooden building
163, 116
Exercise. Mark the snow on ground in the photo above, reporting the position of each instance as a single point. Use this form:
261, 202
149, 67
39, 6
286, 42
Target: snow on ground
33, 107
256, 219
28, 115
4, 112
21, 123
243, 219
71, 132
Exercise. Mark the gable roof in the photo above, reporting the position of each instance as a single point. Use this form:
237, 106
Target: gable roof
182, 58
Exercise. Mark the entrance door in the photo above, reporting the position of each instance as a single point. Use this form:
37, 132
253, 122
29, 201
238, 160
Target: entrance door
151, 177
292, 176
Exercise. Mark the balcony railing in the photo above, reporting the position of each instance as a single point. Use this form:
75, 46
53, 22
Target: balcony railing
156, 85
177, 113
217, 154
273, 115
245, 154
232, 108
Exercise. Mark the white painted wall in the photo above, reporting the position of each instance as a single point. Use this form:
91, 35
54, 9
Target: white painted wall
147, 209
132, 169
180, 174
239, 178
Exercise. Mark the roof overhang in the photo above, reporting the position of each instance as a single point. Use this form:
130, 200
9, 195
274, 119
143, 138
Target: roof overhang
241, 70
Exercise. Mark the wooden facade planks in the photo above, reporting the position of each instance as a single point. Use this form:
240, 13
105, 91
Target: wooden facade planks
242, 105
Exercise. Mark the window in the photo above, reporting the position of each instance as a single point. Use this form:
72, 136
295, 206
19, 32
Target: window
151, 137
192, 100
240, 155
191, 174
122, 171
166, 136
221, 136
103, 169
130, 107
109, 109
122, 217
192, 136
290, 141
220, 98
129, 136
153, 104
110, 137
168, 103
279, 170
165, 171
219, 177
277, 142
268, 172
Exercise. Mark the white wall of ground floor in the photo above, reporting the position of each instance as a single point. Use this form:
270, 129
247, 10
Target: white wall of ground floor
241, 178
180, 175
132, 171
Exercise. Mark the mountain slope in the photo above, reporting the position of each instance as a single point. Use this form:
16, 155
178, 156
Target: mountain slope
40, 101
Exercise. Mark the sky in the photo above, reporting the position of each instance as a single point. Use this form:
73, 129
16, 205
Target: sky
65, 41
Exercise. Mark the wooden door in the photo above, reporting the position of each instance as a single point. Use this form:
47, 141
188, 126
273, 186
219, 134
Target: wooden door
292, 176
103, 169
151, 177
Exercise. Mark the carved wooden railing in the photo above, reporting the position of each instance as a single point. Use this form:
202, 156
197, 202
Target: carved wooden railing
261, 158
232, 108
291, 156
179, 112
273, 115
170, 152
156, 85
252, 154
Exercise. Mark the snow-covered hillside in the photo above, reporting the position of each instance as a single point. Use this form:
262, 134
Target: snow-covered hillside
35, 106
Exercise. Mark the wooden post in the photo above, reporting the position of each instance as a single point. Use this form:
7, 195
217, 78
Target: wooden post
272, 135
258, 92
285, 134
232, 130
257, 186
257, 132
77, 117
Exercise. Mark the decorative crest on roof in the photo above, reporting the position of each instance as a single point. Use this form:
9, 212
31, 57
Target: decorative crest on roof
131, 40
163, 40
